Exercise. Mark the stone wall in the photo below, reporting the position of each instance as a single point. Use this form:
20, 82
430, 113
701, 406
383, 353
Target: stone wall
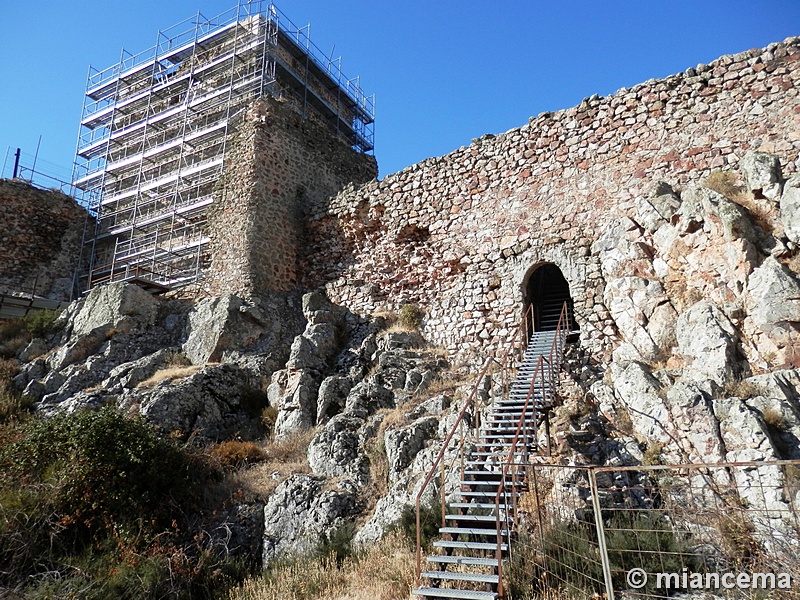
278, 166
40, 240
460, 234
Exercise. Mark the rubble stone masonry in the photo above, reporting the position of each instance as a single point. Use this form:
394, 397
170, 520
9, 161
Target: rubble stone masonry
40, 240
278, 166
460, 234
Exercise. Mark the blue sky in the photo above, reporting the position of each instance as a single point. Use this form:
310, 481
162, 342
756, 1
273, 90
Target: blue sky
443, 71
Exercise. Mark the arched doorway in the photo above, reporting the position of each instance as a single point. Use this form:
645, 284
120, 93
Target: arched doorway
546, 290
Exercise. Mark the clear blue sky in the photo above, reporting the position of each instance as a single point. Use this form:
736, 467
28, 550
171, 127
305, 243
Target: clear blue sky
443, 71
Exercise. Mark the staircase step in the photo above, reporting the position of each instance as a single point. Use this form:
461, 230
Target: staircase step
479, 505
481, 518
477, 561
431, 592
495, 483
485, 494
472, 531
469, 545
471, 577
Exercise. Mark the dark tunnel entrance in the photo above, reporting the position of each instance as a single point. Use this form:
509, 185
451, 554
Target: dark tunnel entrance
547, 290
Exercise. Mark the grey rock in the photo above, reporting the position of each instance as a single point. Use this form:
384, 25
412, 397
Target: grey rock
335, 450
369, 396
790, 208
207, 403
332, 396
641, 392
742, 431
121, 306
400, 340
130, 374
762, 172
644, 316
220, 326
653, 212
301, 512
403, 443
773, 295
36, 348
294, 394
314, 348
708, 339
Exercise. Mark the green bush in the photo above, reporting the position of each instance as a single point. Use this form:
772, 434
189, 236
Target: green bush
41, 323
430, 518
566, 555
409, 317
91, 506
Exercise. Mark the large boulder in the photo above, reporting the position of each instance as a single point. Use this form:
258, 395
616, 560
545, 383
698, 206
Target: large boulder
762, 172
790, 209
707, 340
302, 512
218, 326
294, 394
404, 443
335, 451
208, 403
118, 306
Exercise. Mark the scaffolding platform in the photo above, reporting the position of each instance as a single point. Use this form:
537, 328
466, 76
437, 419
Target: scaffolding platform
155, 127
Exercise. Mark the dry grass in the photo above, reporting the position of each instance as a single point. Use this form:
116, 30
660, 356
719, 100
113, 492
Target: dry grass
774, 419
280, 459
383, 572
235, 454
170, 374
725, 182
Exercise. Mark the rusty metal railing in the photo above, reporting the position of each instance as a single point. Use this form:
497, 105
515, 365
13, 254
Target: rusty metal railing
513, 354
547, 385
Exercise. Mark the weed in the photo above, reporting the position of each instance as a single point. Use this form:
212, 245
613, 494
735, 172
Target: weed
409, 317
385, 571
430, 518
774, 419
269, 415
652, 454
41, 323
169, 374
235, 454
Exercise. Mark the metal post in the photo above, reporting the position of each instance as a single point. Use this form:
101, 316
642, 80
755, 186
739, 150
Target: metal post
16, 164
601, 535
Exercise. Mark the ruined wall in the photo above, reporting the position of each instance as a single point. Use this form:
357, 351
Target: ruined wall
40, 240
279, 165
460, 234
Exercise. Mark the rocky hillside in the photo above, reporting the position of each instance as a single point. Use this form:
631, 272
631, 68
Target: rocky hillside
702, 285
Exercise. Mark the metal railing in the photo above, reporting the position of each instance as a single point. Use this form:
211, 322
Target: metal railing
654, 531
544, 376
513, 353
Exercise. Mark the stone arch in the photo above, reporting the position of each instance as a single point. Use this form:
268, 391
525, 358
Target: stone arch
546, 289
571, 270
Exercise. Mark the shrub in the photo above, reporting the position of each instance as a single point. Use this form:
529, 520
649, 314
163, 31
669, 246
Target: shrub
430, 517
79, 479
13, 337
269, 415
235, 454
41, 323
409, 317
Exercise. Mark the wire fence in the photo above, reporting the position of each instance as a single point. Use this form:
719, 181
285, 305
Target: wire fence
727, 530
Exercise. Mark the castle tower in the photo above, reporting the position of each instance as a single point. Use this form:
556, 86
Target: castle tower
158, 133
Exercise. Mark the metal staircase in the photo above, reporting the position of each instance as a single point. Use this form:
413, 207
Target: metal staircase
478, 533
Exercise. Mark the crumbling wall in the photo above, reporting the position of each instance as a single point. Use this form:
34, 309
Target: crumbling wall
40, 240
459, 234
279, 166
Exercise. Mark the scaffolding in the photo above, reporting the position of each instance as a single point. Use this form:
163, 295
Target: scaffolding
154, 133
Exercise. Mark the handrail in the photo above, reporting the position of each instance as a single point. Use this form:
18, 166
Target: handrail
504, 365
556, 349
440, 456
